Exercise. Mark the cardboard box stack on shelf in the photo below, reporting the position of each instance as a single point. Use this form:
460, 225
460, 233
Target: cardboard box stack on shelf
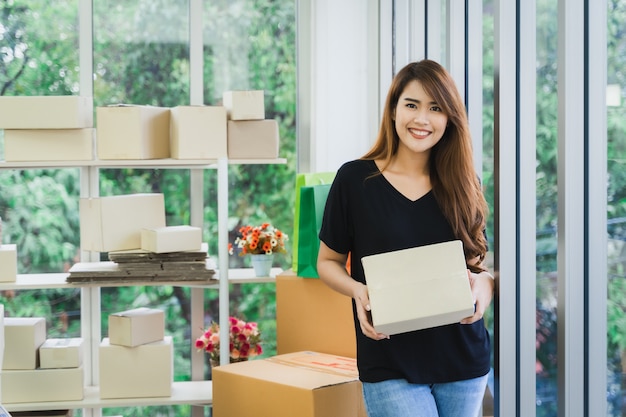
103, 229
139, 244
250, 134
47, 128
27, 375
136, 360
61, 128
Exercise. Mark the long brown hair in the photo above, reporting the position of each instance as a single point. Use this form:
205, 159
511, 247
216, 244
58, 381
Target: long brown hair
454, 181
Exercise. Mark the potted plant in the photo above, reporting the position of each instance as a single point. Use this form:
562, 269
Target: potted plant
244, 343
261, 243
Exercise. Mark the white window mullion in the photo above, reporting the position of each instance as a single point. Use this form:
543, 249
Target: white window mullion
596, 272
506, 209
527, 227
571, 203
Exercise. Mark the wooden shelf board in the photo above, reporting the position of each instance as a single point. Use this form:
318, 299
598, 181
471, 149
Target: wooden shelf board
58, 280
137, 163
189, 392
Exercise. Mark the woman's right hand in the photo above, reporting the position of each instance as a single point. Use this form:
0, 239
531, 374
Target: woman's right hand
363, 311
331, 267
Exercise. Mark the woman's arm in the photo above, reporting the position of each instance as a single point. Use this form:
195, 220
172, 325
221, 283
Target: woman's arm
331, 267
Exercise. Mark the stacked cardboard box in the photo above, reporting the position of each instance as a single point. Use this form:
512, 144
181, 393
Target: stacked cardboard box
47, 128
250, 134
30, 373
136, 360
55, 128
140, 246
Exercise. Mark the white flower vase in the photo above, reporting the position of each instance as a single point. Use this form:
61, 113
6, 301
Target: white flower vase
262, 264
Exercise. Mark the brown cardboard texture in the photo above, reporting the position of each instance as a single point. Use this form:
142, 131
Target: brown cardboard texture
327, 326
418, 288
253, 139
46, 112
133, 132
303, 384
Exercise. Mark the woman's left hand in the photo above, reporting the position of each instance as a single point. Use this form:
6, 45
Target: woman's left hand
482, 286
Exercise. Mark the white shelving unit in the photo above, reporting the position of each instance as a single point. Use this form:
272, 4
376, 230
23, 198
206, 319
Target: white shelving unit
198, 391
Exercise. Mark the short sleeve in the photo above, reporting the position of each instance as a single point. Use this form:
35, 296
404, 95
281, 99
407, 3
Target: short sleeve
336, 228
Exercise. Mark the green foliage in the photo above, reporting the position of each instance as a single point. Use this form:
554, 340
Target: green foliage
141, 56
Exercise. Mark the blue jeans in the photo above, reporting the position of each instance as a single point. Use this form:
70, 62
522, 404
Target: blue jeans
399, 398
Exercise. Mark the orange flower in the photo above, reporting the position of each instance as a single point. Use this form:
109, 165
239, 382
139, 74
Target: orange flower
263, 239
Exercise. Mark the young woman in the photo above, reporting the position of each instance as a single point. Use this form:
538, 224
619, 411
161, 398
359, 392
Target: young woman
416, 186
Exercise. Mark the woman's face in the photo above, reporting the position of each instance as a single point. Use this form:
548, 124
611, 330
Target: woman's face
419, 121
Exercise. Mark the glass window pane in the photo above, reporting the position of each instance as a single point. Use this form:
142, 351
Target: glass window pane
141, 52
616, 205
546, 365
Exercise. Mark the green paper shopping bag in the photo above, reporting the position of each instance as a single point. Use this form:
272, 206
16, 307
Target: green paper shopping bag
303, 180
312, 203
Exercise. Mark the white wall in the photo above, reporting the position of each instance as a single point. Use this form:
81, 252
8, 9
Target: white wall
338, 88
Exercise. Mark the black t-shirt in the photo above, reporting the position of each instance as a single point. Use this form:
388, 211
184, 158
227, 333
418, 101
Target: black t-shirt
366, 215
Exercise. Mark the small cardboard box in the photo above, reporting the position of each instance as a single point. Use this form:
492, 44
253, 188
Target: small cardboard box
297, 332
303, 384
114, 223
31, 386
136, 327
59, 353
137, 372
22, 337
8, 263
171, 239
49, 145
46, 112
253, 139
133, 132
418, 288
244, 105
198, 132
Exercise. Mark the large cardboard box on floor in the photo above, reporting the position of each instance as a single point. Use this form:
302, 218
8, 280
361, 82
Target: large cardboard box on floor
418, 288
136, 372
172, 239
136, 327
8, 263
253, 139
58, 353
198, 132
114, 223
303, 384
49, 145
22, 337
133, 132
30, 386
46, 112
296, 331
